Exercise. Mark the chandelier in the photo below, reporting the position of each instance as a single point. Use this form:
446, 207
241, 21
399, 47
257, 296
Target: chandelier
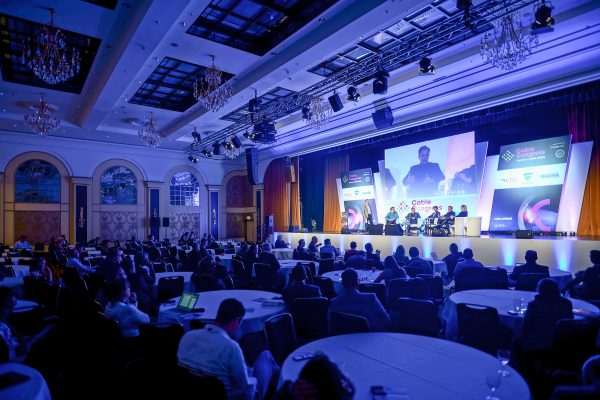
149, 133
507, 46
211, 91
317, 112
230, 150
40, 121
50, 61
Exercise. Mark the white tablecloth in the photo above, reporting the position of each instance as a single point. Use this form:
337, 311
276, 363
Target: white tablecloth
256, 312
15, 260
439, 266
283, 254
35, 388
364, 276
419, 367
501, 300
21, 270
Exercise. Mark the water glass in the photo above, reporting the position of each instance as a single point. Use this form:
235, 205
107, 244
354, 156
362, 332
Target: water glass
517, 304
504, 358
493, 380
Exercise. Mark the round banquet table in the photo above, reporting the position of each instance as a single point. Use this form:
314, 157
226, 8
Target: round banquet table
557, 275
501, 300
34, 388
256, 312
283, 254
410, 367
364, 276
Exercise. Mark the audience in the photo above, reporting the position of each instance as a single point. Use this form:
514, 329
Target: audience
209, 266
586, 284
373, 256
111, 268
391, 270
73, 262
266, 257
351, 252
298, 287
301, 253
530, 267
142, 277
280, 243
358, 260
467, 262
122, 306
313, 247
250, 257
400, 256
418, 262
212, 351
40, 270
22, 243
328, 251
366, 305
452, 259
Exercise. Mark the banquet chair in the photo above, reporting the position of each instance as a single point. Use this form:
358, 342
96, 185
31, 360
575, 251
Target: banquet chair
480, 327
38, 246
46, 294
310, 316
241, 275
326, 286
413, 316
435, 288
376, 288
326, 266
413, 271
343, 323
472, 278
265, 276
4, 352
170, 287
204, 282
529, 281
574, 342
29, 322
312, 269
160, 342
281, 336
397, 288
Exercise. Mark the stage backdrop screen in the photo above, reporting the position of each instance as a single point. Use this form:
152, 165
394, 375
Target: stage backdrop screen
439, 172
357, 186
528, 185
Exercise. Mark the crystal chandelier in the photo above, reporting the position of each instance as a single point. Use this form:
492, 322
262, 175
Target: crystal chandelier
507, 46
211, 91
40, 121
50, 61
149, 133
318, 113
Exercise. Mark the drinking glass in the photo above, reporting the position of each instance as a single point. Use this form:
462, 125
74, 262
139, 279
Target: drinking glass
517, 304
504, 358
493, 381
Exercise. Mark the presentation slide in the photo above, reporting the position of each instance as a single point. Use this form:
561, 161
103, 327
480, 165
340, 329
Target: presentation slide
441, 172
358, 195
528, 185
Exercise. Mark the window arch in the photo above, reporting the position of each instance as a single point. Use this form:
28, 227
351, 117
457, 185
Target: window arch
184, 190
37, 181
118, 185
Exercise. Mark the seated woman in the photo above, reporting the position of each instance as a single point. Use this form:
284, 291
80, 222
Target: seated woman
400, 256
40, 269
122, 306
391, 270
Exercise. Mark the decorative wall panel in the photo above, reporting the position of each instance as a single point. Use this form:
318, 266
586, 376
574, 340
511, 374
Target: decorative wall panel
118, 225
39, 226
239, 192
183, 222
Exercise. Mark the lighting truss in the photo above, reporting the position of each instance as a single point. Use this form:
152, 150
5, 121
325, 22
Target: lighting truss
451, 31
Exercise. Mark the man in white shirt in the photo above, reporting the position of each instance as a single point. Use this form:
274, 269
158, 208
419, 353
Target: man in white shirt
212, 351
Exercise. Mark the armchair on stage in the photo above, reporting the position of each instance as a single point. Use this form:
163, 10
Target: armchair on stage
467, 226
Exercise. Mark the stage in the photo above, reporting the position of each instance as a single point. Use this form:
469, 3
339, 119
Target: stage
567, 253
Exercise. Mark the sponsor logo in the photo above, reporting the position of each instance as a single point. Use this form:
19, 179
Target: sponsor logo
345, 178
368, 178
508, 156
559, 153
509, 179
528, 176
421, 202
550, 175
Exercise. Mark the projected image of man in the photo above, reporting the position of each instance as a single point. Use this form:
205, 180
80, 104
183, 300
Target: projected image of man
423, 178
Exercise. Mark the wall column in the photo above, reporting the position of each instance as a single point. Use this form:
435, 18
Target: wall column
217, 215
154, 209
81, 212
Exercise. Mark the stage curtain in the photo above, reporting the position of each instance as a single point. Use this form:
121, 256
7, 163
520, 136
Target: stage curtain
277, 194
334, 166
295, 200
584, 126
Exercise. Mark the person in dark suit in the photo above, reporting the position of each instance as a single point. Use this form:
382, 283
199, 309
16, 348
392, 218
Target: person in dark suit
416, 261
250, 257
280, 243
452, 259
351, 252
586, 284
423, 179
266, 257
198, 253
352, 301
301, 253
357, 261
400, 256
530, 267
298, 287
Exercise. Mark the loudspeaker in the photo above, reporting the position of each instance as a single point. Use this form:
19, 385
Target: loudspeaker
336, 102
383, 118
393, 230
252, 165
523, 234
155, 222
376, 229
166, 222
438, 232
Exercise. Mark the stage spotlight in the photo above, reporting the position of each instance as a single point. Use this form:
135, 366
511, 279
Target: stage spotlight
207, 153
543, 18
426, 67
196, 135
380, 82
353, 94
306, 113
249, 135
193, 159
463, 5
236, 141
217, 148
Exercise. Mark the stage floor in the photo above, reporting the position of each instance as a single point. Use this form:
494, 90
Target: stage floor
567, 253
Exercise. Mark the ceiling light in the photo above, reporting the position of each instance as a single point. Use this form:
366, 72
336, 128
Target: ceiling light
217, 148
320, 113
543, 18
426, 67
236, 141
212, 92
306, 113
149, 133
380, 82
353, 94
193, 159
40, 121
51, 61
207, 153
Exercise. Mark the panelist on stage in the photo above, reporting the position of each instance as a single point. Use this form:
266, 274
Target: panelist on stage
367, 215
448, 218
423, 178
435, 213
392, 217
413, 216
463, 211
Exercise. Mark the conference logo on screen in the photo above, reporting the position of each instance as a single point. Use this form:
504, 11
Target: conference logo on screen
508, 156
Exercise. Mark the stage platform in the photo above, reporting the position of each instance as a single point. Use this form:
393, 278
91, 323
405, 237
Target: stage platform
567, 253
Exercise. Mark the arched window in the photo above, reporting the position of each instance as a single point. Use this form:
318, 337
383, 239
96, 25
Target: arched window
37, 181
184, 190
118, 185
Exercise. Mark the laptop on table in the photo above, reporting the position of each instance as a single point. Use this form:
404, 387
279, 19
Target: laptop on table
186, 303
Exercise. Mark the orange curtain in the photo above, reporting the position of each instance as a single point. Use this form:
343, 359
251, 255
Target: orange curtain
295, 202
584, 125
334, 166
277, 194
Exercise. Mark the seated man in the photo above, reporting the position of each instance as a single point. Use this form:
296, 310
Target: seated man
416, 261
467, 261
530, 267
452, 259
327, 250
447, 219
280, 243
298, 287
586, 284
363, 304
358, 260
22, 243
301, 253
266, 257
392, 217
212, 351
351, 252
